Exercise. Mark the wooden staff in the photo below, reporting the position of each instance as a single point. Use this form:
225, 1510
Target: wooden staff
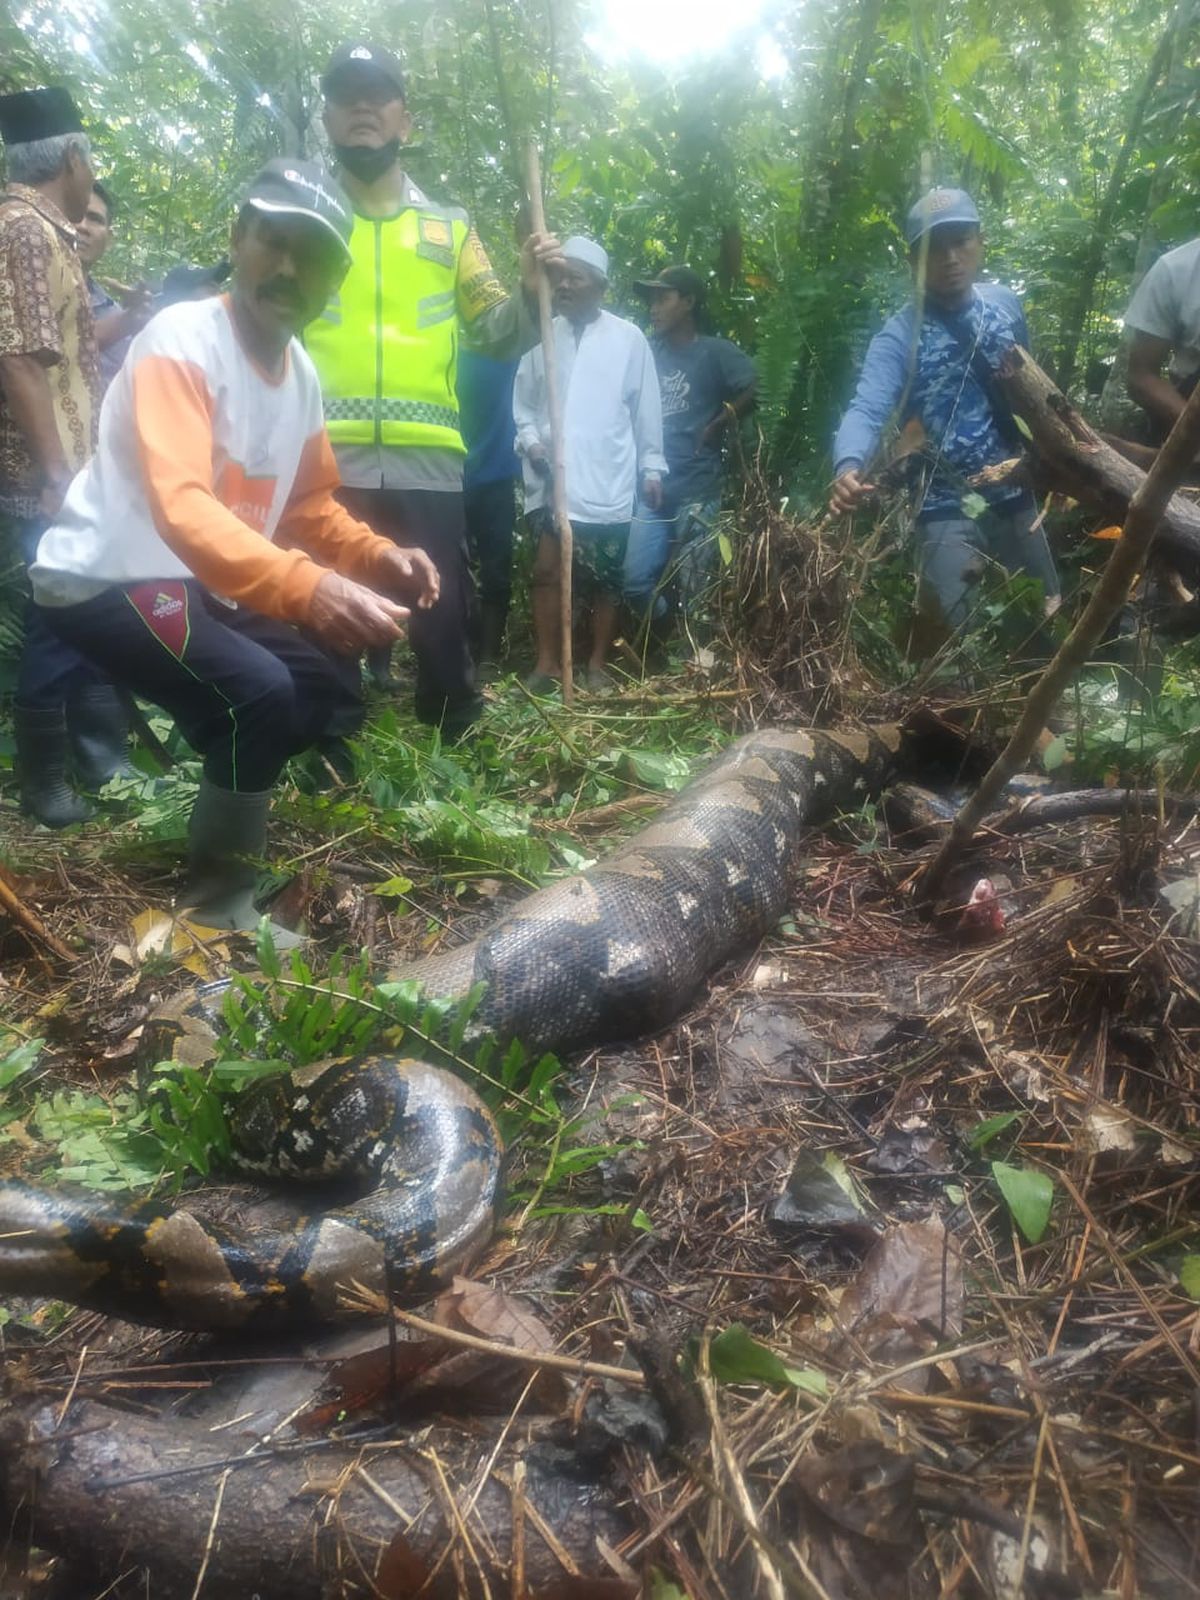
558, 481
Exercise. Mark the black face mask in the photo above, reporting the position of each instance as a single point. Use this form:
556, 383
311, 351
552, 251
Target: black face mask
367, 162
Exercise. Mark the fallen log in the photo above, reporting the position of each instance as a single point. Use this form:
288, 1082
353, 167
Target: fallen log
183, 1511
917, 816
1144, 518
1069, 455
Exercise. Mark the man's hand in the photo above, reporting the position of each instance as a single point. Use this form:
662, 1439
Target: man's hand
652, 492
412, 575
540, 253
347, 617
539, 459
849, 491
137, 306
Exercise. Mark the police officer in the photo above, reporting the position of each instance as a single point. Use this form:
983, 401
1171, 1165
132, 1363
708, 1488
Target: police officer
386, 351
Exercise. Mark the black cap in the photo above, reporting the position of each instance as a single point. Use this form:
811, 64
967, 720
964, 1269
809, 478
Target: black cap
181, 282
682, 279
37, 114
359, 55
288, 187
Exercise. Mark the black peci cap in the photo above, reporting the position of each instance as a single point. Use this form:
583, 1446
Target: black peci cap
359, 55
288, 187
37, 114
682, 279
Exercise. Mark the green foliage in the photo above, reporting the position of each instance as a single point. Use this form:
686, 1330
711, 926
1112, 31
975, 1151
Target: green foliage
734, 1356
1028, 1195
19, 1061
98, 1142
785, 191
991, 1127
469, 812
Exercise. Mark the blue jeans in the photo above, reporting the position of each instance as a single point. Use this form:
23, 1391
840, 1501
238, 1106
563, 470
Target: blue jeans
690, 534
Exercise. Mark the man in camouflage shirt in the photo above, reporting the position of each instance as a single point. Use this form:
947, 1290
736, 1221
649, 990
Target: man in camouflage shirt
942, 374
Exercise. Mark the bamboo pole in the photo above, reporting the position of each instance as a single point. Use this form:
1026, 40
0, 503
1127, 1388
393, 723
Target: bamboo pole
558, 481
1146, 511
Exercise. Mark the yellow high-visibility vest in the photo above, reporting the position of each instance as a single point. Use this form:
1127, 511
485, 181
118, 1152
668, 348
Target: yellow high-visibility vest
386, 346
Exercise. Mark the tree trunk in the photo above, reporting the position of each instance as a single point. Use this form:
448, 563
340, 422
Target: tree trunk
117, 1493
1069, 455
1075, 320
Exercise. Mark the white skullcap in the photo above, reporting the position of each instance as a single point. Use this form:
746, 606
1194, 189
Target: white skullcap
588, 252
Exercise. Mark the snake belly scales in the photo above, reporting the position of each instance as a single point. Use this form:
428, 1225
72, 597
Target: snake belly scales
612, 952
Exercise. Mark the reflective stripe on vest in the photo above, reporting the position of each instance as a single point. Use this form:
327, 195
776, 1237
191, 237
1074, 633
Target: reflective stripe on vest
386, 346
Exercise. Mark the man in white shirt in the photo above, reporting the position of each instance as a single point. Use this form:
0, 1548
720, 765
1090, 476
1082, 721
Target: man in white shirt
612, 443
1164, 321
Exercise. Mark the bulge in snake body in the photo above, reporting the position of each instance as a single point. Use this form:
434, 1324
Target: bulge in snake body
614, 951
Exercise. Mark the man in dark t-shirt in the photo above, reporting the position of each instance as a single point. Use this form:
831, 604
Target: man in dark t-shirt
117, 324
707, 384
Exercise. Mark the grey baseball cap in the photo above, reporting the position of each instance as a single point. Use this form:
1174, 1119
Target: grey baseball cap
289, 187
938, 208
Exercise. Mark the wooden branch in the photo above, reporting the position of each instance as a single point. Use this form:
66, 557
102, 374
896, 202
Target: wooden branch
1146, 510
29, 922
1048, 810
1069, 455
558, 493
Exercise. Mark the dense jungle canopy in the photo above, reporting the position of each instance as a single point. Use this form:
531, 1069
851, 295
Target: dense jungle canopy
774, 152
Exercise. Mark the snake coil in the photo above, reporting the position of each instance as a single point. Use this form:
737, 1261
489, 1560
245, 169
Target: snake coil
611, 952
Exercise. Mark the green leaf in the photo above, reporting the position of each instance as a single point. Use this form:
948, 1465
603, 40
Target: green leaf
974, 506
395, 887
662, 1588
1055, 753
1189, 1276
268, 956
990, 1127
1028, 1195
18, 1061
726, 549
657, 769
735, 1357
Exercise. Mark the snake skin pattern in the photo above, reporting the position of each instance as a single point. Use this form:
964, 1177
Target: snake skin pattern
420, 1141
621, 948
612, 952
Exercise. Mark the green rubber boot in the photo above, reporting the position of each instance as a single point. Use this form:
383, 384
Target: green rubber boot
227, 837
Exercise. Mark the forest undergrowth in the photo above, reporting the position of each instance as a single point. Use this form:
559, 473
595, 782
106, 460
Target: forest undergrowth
898, 1221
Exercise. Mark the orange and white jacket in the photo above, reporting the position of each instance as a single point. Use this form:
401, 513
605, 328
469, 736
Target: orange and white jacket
207, 467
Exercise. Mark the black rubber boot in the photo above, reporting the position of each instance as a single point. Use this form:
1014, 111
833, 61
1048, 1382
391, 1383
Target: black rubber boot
227, 836
98, 726
379, 668
41, 735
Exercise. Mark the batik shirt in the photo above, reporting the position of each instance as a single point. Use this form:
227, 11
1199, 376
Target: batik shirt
44, 312
944, 394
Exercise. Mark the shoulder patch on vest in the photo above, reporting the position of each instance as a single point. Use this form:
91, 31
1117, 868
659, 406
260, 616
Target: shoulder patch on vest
435, 231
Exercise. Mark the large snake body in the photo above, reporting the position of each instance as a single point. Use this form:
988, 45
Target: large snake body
612, 952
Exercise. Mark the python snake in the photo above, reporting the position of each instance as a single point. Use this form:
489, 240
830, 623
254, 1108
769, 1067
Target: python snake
613, 951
